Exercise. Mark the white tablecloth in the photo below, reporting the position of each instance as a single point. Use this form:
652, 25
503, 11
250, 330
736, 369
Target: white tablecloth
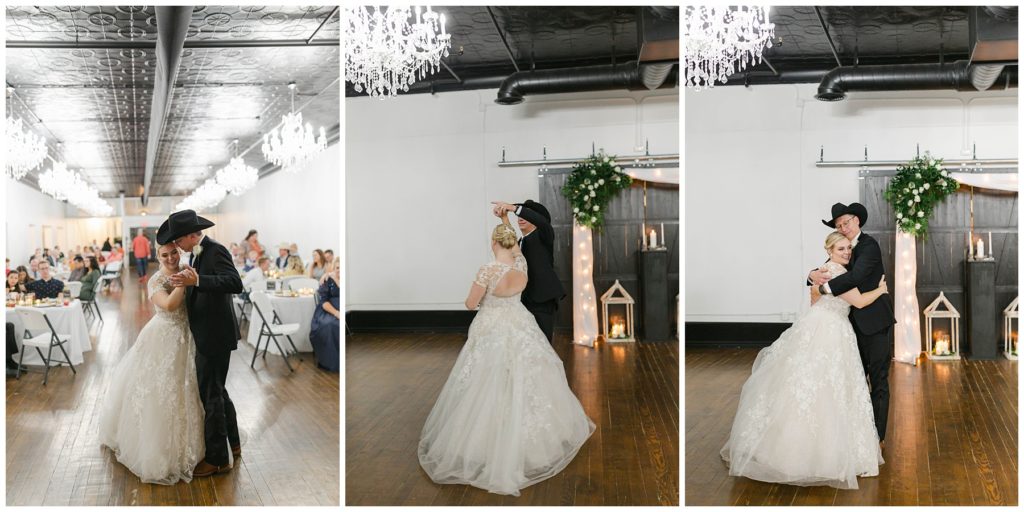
66, 320
291, 310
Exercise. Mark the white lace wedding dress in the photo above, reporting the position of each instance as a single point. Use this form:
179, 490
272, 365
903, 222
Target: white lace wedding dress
804, 415
506, 418
152, 417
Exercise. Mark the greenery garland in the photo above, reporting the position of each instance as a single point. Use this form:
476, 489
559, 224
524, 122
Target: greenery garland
914, 192
592, 183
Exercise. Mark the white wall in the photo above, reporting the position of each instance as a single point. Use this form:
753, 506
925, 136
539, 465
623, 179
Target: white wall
28, 213
421, 171
302, 208
754, 198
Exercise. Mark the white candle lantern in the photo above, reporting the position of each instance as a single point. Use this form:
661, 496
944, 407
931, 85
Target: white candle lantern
942, 346
1010, 324
618, 329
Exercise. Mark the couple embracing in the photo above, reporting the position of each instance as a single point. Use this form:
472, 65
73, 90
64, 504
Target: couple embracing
166, 414
805, 415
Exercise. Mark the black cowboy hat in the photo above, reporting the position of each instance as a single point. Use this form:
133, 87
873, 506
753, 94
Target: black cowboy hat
180, 224
537, 207
839, 209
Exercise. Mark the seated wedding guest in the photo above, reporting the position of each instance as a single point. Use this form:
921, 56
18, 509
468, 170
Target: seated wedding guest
317, 267
23, 275
8, 266
251, 242
255, 279
293, 249
57, 254
328, 255
49, 257
106, 245
325, 329
12, 285
294, 267
282, 257
251, 261
36, 255
12, 348
92, 274
77, 269
46, 287
33, 267
116, 253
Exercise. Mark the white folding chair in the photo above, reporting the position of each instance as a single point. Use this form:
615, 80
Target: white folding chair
112, 272
303, 282
37, 321
91, 307
241, 303
271, 328
74, 288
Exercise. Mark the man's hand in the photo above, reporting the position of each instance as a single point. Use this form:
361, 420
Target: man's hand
501, 207
819, 277
187, 277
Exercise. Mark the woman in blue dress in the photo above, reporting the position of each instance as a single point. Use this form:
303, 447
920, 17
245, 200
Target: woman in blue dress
325, 331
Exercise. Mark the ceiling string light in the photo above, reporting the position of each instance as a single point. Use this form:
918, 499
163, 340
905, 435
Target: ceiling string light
26, 150
387, 51
237, 177
292, 144
721, 41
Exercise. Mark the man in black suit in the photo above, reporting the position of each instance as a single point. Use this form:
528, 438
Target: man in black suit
211, 279
543, 288
872, 324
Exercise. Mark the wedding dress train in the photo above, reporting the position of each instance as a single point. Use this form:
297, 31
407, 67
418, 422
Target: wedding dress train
152, 417
804, 415
506, 418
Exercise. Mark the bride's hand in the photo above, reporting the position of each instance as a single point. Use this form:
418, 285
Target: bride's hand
882, 286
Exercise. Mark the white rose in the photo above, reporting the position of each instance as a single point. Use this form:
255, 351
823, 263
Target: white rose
197, 250
592, 171
917, 175
910, 203
600, 181
618, 169
606, 159
576, 209
590, 187
920, 214
917, 226
593, 194
926, 186
616, 178
593, 220
942, 183
899, 215
596, 208
906, 190
917, 199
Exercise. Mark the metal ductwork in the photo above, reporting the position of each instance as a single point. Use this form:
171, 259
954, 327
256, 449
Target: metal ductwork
912, 77
592, 78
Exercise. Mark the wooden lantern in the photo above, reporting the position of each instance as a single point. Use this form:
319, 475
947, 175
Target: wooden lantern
620, 330
942, 347
1010, 324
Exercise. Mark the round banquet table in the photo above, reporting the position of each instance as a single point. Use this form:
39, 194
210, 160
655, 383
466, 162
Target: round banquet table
291, 310
68, 320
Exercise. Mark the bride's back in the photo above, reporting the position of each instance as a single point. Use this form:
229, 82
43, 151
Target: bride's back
503, 281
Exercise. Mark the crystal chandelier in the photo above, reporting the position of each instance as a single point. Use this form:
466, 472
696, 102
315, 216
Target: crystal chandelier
386, 53
293, 144
64, 184
237, 177
207, 196
26, 150
721, 41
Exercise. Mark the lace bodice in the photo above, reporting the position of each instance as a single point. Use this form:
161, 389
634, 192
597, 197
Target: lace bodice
158, 282
490, 274
831, 302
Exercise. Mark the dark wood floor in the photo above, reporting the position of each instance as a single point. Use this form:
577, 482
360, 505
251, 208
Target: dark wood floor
631, 391
288, 423
951, 439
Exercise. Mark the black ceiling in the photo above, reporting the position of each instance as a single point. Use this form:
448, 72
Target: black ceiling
862, 35
538, 38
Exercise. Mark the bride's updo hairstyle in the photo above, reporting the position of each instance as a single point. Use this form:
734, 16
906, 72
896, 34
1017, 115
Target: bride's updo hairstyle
504, 235
832, 239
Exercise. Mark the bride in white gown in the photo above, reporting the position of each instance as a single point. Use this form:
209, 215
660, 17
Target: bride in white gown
804, 415
506, 418
152, 417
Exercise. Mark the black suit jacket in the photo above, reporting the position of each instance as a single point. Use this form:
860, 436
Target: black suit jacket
865, 271
539, 249
210, 312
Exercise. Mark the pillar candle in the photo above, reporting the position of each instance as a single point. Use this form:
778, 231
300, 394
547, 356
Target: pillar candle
981, 249
663, 233
654, 239
990, 247
970, 248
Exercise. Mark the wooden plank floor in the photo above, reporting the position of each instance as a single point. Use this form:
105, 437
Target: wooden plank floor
631, 391
288, 423
951, 440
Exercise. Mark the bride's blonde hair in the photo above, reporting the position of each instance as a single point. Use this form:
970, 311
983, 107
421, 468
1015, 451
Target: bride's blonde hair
504, 235
832, 239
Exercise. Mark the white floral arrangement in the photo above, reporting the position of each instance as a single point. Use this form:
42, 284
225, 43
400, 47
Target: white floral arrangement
918, 187
591, 185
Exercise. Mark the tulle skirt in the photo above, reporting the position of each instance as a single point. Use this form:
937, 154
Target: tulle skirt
506, 418
152, 417
804, 415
